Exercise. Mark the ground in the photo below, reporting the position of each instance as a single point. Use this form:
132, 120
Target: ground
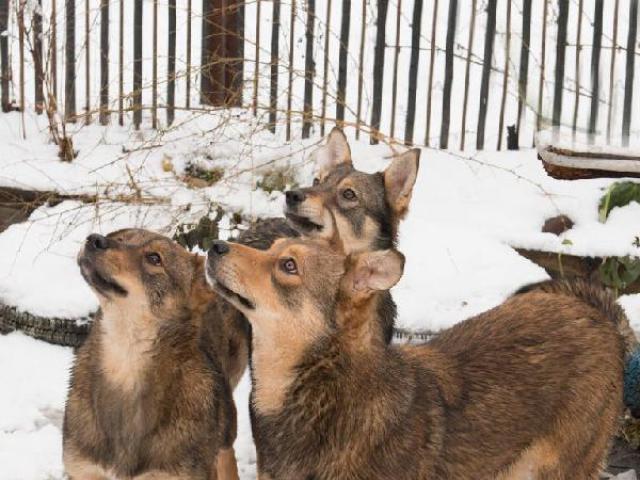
466, 215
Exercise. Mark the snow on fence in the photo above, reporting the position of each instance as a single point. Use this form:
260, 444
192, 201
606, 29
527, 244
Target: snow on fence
443, 73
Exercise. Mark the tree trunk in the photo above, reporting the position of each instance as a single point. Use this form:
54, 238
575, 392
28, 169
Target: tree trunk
342, 61
595, 67
4, 55
171, 64
38, 60
563, 18
630, 70
137, 64
416, 25
275, 42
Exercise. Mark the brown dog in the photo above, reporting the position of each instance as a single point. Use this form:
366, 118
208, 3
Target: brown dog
529, 390
151, 389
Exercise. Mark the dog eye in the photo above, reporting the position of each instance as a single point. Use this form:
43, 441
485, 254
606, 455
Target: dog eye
154, 259
288, 265
316, 181
348, 194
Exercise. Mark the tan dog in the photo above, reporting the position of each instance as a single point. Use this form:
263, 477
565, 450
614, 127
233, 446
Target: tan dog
151, 389
529, 390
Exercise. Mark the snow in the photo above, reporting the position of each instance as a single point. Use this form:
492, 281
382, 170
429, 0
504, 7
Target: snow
466, 214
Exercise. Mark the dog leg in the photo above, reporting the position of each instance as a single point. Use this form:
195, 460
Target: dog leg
79, 468
226, 465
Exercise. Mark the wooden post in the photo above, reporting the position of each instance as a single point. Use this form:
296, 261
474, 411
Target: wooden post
523, 74
273, 91
212, 78
613, 68
154, 68
578, 51
342, 61
104, 62
70, 62
309, 69
233, 34
87, 63
505, 77
467, 74
630, 70
448, 74
542, 64
38, 60
188, 72
4, 55
416, 25
325, 71
378, 69
486, 71
137, 63
363, 29
595, 67
432, 58
121, 66
256, 73
394, 85
563, 18
171, 64
292, 26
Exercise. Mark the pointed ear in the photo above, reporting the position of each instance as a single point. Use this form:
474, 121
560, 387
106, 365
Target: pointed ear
399, 179
378, 270
333, 153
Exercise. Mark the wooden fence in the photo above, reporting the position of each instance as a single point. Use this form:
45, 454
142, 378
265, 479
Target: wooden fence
443, 73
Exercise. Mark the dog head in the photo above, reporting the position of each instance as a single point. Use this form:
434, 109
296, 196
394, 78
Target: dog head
141, 272
362, 210
303, 286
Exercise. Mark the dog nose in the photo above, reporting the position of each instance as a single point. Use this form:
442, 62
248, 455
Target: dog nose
98, 242
218, 247
294, 197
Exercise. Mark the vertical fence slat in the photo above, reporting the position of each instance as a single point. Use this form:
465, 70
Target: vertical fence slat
53, 51
21, 34
87, 62
543, 59
467, 74
394, 85
486, 71
325, 70
505, 76
233, 35
432, 58
121, 65
563, 18
578, 52
448, 74
292, 29
595, 66
137, 63
256, 74
275, 41
630, 70
613, 68
523, 75
363, 29
416, 25
187, 101
154, 67
4, 55
309, 69
342, 61
37, 59
378, 69
70, 62
171, 63
212, 71
104, 62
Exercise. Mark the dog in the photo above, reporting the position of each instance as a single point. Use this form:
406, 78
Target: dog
151, 389
531, 389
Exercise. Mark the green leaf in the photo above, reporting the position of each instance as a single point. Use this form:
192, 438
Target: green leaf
618, 194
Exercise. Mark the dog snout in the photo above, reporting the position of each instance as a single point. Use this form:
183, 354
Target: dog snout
294, 197
219, 248
97, 242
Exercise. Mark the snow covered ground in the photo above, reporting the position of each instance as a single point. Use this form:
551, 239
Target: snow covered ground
466, 214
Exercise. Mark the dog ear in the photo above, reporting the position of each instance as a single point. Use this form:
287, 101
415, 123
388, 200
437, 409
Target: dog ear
377, 270
333, 153
399, 179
